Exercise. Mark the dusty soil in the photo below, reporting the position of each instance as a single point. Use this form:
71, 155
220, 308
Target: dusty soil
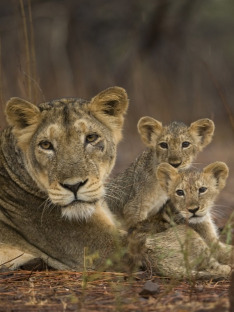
23, 291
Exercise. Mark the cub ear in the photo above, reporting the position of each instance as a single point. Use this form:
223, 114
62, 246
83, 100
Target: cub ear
202, 130
219, 170
149, 129
166, 175
110, 106
21, 114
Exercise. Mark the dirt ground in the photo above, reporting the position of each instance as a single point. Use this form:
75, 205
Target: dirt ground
24, 291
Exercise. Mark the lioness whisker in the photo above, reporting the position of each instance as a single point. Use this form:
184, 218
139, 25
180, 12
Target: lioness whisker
47, 205
116, 199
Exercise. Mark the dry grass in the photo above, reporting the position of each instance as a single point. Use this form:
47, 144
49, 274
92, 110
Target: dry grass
72, 291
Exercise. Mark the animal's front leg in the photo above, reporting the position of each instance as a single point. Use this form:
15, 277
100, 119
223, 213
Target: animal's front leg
207, 230
224, 253
12, 258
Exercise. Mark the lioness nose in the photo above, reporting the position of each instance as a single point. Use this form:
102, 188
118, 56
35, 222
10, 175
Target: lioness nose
175, 164
193, 210
74, 187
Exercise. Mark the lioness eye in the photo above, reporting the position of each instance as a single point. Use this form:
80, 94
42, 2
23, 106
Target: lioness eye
163, 145
202, 189
185, 144
46, 145
91, 138
180, 192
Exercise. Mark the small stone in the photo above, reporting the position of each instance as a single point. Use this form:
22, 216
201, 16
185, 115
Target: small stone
200, 288
150, 288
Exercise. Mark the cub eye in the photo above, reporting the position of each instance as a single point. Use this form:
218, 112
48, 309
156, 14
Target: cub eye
46, 145
202, 189
180, 192
163, 145
91, 138
185, 144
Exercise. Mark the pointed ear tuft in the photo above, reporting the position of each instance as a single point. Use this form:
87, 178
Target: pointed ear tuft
203, 131
166, 175
110, 106
219, 170
149, 129
20, 113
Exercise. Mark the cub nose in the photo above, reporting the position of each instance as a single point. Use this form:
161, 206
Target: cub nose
193, 210
175, 164
73, 187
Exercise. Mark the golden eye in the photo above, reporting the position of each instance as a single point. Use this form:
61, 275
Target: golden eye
46, 145
91, 138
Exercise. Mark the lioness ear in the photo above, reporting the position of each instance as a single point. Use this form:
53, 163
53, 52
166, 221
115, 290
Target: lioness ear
202, 130
149, 129
166, 175
21, 114
110, 106
219, 170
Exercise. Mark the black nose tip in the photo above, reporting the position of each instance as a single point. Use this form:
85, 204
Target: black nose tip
175, 165
194, 210
73, 187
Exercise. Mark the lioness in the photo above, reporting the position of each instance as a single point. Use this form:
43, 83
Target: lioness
54, 160
136, 194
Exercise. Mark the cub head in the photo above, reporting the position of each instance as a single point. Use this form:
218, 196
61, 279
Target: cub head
193, 192
69, 146
176, 144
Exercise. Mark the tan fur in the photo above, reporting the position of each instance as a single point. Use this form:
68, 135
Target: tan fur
199, 134
176, 251
180, 252
135, 194
12, 258
54, 161
197, 193
191, 196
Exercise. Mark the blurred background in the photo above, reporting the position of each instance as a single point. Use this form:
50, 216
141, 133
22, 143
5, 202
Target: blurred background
174, 58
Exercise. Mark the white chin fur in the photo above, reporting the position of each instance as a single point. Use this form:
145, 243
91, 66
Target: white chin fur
197, 219
81, 211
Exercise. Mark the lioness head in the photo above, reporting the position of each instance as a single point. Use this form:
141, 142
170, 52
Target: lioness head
193, 192
176, 144
69, 146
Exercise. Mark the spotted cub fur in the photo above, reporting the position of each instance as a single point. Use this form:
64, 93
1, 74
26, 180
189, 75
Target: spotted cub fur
136, 194
191, 196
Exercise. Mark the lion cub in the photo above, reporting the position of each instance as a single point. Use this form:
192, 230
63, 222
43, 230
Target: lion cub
191, 196
135, 194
